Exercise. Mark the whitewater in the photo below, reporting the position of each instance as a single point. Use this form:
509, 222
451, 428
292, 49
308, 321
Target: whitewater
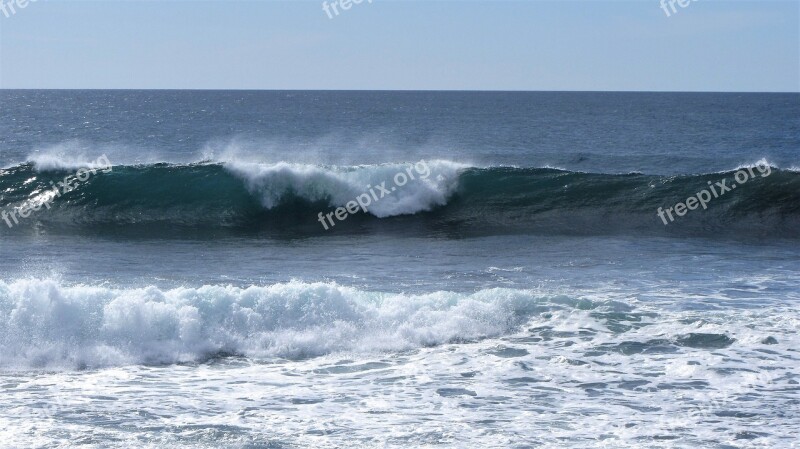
325, 365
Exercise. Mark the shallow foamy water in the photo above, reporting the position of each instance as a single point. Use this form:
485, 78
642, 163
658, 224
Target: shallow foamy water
566, 372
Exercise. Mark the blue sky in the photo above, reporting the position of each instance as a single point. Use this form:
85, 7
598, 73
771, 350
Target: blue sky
711, 45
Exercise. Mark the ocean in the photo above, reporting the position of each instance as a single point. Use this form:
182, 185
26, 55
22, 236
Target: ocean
289, 269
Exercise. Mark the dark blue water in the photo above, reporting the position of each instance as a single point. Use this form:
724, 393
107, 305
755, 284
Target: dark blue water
661, 133
521, 288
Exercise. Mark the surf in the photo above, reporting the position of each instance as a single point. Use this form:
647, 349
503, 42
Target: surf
47, 324
454, 200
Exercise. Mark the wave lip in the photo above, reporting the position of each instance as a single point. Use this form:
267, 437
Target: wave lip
44, 324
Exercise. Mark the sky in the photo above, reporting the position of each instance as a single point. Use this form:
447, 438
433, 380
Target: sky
572, 45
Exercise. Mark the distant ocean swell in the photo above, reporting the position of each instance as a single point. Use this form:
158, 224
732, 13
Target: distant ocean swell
455, 199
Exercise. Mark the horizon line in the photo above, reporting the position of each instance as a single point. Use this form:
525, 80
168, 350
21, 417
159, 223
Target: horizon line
394, 90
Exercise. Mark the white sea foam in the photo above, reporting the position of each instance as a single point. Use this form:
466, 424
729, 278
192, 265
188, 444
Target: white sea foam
763, 162
43, 323
72, 155
50, 162
340, 185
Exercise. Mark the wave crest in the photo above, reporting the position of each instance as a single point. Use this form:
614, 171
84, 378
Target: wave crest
338, 186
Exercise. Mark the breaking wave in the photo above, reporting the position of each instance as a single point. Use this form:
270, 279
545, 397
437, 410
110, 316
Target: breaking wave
46, 324
443, 198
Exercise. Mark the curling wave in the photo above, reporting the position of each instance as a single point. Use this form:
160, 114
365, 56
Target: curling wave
452, 199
